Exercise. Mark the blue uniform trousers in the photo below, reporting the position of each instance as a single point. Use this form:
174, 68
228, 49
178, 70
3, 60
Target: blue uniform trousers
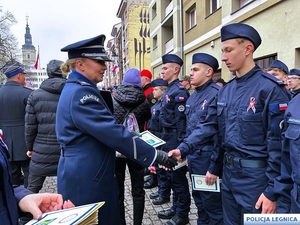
241, 188
209, 204
178, 179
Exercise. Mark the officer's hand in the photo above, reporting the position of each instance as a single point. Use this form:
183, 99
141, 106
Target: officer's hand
163, 159
175, 152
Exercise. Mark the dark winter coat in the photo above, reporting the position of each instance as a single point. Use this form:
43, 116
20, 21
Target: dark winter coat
40, 133
129, 97
13, 99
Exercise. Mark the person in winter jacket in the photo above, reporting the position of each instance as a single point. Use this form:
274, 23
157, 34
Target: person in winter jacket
129, 97
40, 136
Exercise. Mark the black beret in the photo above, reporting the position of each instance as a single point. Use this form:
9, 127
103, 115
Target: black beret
90, 48
294, 72
240, 30
172, 58
280, 65
159, 82
206, 59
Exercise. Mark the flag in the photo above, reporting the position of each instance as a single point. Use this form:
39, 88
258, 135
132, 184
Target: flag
36, 64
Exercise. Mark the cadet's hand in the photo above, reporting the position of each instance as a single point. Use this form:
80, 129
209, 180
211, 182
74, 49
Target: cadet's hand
163, 159
268, 207
176, 153
210, 178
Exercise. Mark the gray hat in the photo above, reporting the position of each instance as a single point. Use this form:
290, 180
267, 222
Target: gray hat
53, 68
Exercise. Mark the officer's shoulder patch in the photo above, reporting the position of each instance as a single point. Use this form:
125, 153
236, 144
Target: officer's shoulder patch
180, 99
273, 78
89, 97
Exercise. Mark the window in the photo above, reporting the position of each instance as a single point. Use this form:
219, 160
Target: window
265, 62
154, 11
192, 18
154, 44
244, 2
214, 5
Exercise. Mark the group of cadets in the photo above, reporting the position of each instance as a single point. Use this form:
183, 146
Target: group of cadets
246, 133
243, 133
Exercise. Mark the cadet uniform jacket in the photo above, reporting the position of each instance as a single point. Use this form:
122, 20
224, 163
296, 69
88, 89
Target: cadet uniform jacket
247, 113
13, 100
40, 121
89, 136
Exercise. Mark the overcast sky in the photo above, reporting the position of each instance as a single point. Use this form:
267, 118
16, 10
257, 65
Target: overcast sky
57, 23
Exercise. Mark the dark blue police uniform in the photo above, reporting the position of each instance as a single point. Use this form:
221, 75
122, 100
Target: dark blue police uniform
246, 113
88, 136
173, 122
287, 185
209, 204
9, 196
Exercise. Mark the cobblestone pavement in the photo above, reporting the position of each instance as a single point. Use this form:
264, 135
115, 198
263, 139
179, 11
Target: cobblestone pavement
150, 214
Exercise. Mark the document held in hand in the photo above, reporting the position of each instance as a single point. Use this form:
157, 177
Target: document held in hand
80, 215
151, 139
199, 184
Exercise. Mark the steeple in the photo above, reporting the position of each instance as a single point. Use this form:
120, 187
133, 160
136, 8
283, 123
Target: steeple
28, 50
28, 39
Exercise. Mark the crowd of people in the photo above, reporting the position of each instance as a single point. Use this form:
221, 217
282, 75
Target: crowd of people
245, 132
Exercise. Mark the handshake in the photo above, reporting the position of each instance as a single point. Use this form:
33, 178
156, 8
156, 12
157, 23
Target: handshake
163, 159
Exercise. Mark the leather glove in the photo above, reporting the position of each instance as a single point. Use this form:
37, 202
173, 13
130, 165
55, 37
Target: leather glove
163, 159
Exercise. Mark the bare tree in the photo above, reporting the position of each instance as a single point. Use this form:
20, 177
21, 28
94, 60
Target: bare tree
8, 43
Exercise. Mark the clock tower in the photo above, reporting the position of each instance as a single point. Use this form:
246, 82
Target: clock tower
28, 50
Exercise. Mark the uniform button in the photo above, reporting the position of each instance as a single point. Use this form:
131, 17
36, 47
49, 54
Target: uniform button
145, 159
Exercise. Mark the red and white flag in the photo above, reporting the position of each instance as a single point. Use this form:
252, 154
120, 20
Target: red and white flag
36, 64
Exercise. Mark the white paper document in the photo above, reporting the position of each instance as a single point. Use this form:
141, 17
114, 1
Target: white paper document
80, 215
151, 139
180, 164
198, 184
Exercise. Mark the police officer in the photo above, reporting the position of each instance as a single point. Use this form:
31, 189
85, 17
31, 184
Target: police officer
279, 69
89, 135
293, 81
173, 122
246, 113
289, 177
288, 186
153, 125
209, 204
13, 100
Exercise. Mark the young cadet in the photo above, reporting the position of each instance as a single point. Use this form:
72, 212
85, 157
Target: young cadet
89, 135
153, 125
173, 122
288, 183
209, 204
246, 114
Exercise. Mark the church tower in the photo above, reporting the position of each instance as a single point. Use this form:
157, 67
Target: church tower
28, 50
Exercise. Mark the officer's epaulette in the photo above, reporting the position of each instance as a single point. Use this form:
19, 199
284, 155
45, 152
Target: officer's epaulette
82, 83
273, 78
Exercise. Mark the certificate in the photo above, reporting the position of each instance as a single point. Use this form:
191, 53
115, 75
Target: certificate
198, 184
151, 139
180, 164
80, 215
